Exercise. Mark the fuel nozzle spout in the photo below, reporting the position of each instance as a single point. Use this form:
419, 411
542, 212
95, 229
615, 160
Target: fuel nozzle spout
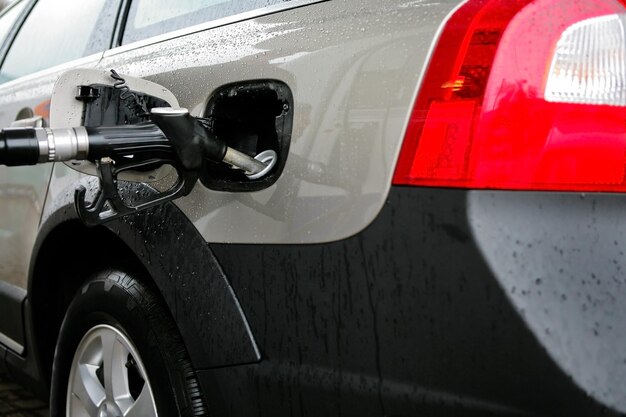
194, 142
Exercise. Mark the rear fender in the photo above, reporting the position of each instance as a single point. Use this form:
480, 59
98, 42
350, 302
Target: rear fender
181, 264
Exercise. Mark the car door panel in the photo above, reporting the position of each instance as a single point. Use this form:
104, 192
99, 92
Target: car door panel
23, 189
22, 196
11, 332
30, 68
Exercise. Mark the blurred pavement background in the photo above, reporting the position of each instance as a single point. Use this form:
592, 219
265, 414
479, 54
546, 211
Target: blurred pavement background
16, 401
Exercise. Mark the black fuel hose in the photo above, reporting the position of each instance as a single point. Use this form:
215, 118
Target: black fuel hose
30, 146
19, 146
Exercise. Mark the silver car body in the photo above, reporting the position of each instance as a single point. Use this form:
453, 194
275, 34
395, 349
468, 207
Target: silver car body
355, 69
347, 129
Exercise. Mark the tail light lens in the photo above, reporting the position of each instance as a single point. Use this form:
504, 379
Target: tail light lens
590, 74
523, 94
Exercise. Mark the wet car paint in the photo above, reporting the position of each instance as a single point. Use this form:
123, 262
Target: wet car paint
454, 313
354, 69
415, 315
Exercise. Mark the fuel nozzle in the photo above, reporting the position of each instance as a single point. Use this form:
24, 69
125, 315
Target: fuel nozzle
173, 137
194, 142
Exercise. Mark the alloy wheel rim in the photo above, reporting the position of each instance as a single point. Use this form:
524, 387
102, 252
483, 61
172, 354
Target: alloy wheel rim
108, 378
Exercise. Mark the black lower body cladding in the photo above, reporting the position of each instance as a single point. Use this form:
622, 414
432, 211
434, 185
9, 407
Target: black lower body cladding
471, 302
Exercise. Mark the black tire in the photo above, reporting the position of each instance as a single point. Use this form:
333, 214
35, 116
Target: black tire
122, 301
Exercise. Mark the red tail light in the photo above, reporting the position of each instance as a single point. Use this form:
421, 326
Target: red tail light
523, 94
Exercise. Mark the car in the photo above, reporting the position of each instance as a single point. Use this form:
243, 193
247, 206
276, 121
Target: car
442, 233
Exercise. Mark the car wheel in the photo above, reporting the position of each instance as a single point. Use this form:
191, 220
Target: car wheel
119, 353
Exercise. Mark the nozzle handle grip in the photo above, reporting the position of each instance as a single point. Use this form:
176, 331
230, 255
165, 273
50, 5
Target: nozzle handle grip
119, 141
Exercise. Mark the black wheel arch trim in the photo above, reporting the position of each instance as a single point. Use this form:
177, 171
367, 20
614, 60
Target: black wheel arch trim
207, 312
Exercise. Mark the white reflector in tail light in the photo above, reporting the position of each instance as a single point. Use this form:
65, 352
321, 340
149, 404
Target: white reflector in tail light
589, 65
523, 94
